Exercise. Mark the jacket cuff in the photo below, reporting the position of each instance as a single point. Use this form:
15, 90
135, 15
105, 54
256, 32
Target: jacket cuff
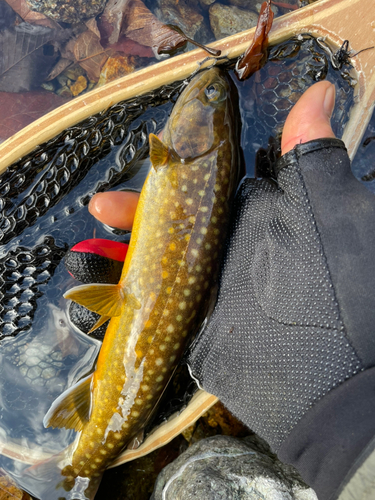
331, 441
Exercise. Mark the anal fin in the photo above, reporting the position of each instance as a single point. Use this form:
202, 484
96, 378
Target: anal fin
72, 408
99, 323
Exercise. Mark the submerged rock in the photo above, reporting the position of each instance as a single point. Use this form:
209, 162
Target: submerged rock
206, 3
68, 11
253, 5
79, 86
227, 20
116, 67
227, 468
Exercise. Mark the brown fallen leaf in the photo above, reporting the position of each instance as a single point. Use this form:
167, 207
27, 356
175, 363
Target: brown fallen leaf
111, 20
59, 67
67, 50
255, 55
93, 26
19, 110
131, 48
90, 54
137, 22
25, 63
142, 26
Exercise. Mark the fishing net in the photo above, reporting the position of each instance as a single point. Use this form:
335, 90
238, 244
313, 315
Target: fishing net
43, 212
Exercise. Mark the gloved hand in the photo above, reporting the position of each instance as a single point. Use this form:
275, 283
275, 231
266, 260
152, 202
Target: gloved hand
290, 347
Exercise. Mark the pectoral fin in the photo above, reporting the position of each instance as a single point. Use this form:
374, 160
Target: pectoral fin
159, 153
106, 300
72, 409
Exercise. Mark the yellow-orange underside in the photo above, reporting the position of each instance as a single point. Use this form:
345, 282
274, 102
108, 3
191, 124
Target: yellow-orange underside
337, 20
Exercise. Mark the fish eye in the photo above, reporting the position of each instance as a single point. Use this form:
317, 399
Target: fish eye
214, 92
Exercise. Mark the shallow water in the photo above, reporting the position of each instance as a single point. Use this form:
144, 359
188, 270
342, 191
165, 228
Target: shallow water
44, 201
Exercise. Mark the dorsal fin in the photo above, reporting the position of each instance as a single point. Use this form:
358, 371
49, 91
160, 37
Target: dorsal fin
106, 300
72, 408
159, 153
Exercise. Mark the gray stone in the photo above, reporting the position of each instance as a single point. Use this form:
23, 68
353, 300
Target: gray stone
258, 6
68, 11
253, 5
227, 20
245, 4
227, 468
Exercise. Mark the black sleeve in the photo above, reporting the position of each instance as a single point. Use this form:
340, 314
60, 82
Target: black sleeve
334, 438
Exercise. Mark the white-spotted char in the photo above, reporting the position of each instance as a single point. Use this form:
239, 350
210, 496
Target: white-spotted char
167, 283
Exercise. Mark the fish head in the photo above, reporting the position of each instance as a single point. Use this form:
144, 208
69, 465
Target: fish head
196, 125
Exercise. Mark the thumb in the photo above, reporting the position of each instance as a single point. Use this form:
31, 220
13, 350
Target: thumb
310, 117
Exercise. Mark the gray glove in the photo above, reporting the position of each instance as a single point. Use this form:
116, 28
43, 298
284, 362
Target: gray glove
290, 347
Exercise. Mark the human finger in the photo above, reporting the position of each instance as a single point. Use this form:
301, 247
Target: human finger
310, 117
115, 208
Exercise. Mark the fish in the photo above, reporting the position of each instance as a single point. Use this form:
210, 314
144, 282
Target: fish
167, 286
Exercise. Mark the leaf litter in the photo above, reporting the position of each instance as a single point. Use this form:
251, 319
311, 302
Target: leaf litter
37, 51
